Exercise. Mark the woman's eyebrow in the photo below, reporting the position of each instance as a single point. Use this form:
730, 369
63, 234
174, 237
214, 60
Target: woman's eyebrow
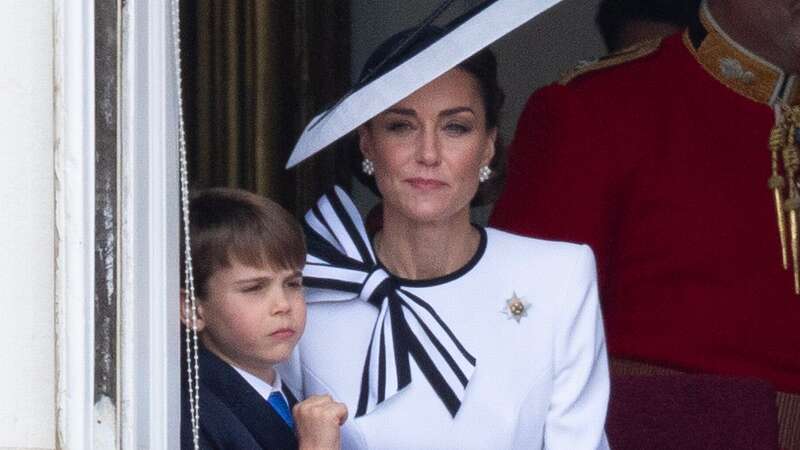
456, 110
402, 111
446, 112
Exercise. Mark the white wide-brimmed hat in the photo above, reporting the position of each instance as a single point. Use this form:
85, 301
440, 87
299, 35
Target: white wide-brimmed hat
426, 58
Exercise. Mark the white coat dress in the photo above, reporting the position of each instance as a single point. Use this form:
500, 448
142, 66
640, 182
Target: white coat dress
540, 377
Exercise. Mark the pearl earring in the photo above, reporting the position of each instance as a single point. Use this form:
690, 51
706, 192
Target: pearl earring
367, 166
484, 173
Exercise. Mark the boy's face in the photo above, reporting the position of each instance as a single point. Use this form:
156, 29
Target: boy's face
252, 317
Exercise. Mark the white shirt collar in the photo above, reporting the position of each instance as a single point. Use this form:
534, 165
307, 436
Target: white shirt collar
262, 387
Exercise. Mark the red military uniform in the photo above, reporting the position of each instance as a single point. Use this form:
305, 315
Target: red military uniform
661, 164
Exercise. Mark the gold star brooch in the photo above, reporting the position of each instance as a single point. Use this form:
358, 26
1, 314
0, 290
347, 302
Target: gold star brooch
516, 308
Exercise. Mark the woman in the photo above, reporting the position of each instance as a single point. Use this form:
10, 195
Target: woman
438, 333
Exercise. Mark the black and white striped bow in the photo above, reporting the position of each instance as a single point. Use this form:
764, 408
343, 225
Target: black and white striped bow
341, 266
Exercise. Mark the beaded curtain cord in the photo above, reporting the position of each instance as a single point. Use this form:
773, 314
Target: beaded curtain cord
190, 300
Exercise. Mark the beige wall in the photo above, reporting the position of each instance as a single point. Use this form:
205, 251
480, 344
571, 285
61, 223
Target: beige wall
27, 368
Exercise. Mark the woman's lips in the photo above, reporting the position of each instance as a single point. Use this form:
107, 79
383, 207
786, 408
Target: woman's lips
283, 333
425, 183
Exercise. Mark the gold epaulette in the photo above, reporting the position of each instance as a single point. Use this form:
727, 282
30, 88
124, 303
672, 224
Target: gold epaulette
631, 53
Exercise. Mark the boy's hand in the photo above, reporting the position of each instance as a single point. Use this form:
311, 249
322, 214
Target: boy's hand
317, 420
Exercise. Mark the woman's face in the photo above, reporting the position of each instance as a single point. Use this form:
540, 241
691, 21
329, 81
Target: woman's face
429, 147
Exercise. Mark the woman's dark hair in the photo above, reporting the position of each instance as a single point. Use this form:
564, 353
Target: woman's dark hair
483, 68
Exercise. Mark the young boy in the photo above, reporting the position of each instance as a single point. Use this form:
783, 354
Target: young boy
247, 255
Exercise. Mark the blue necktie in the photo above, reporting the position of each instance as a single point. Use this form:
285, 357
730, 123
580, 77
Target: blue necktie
280, 406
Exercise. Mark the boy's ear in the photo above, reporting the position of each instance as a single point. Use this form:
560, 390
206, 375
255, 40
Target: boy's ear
199, 314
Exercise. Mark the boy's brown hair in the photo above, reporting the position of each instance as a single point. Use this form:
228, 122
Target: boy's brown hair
228, 225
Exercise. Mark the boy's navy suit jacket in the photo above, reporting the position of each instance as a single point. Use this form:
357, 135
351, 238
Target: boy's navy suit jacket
233, 415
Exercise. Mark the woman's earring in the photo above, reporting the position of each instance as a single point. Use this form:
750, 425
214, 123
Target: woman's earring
484, 173
367, 166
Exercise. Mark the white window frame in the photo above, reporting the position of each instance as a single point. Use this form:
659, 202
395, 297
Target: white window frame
148, 404
150, 350
74, 198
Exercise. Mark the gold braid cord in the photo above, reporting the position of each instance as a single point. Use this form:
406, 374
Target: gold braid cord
783, 147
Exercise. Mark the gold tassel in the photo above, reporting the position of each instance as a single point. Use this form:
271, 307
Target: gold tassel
791, 206
781, 226
793, 118
777, 184
791, 161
